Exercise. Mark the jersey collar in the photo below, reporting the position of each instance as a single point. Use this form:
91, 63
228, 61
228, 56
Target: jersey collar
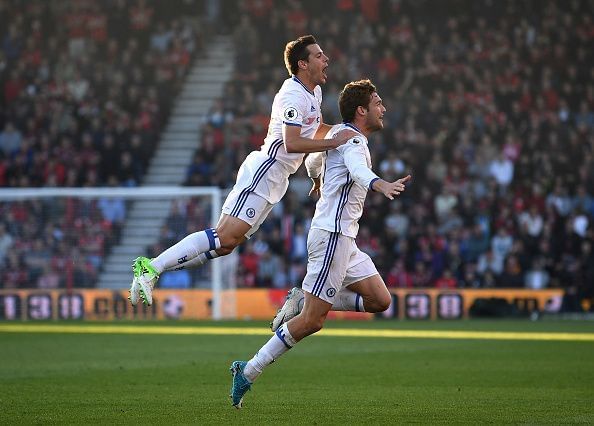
352, 126
294, 77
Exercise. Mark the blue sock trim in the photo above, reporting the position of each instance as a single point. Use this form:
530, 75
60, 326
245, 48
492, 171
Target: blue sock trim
211, 234
357, 298
281, 336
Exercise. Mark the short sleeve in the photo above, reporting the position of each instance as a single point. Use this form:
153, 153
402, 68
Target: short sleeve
292, 107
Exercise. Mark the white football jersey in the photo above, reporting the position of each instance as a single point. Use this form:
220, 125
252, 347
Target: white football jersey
294, 105
346, 178
266, 172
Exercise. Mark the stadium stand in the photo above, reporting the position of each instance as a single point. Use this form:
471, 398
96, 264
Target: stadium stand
490, 108
86, 88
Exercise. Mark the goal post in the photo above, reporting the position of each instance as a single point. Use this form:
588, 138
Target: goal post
32, 214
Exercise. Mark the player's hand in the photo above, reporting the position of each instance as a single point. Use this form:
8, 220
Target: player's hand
343, 136
404, 180
315, 188
391, 189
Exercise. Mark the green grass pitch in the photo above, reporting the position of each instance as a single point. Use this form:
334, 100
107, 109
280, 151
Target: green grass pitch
117, 378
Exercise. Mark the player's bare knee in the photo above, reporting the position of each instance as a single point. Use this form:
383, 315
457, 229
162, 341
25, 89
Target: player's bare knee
228, 243
384, 303
314, 325
379, 304
224, 251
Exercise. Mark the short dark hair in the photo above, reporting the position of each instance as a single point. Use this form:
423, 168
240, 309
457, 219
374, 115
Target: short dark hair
296, 50
355, 94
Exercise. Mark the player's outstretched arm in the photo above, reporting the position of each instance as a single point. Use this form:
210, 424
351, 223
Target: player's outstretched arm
391, 189
294, 143
322, 131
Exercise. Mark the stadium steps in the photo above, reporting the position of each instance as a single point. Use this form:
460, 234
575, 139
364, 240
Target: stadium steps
181, 135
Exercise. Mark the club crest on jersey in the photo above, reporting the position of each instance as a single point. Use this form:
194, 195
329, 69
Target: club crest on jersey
330, 292
250, 212
290, 113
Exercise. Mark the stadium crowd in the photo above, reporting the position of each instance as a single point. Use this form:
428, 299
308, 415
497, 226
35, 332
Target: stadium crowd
86, 87
490, 108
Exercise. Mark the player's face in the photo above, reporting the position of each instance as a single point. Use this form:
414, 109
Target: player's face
317, 64
375, 115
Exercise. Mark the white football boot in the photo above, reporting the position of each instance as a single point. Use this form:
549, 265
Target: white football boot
292, 307
146, 276
134, 296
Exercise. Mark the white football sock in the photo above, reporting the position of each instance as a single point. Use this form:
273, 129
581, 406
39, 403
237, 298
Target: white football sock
347, 300
187, 249
278, 344
199, 260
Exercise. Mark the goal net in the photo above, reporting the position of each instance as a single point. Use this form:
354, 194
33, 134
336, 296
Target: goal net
86, 238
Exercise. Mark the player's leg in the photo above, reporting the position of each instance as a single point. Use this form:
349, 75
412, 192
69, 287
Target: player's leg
234, 230
238, 216
231, 233
327, 255
240, 212
325, 274
363, 280
345, 300
366, 295
147, 271
374, 294
197, 248
308, 322
348, 298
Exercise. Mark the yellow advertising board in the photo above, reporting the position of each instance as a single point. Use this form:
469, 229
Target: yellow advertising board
455, 304
257, 304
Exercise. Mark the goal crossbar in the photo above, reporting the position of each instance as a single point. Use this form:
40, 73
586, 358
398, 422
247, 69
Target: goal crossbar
144, 192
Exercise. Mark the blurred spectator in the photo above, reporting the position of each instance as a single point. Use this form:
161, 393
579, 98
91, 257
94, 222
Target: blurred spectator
489, 262
502, 170
446, 281
470, 279
49, 278
512, 275
6, 241
537, 277
113, 209
396, 222
10, 139
398, 276
268, 264
299, 244
501, 244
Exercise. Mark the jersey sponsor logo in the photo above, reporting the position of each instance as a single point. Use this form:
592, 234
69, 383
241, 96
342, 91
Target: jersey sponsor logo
330, 292
250, 213
290, 113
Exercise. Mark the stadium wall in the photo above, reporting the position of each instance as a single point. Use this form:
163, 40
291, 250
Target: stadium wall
261, 304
